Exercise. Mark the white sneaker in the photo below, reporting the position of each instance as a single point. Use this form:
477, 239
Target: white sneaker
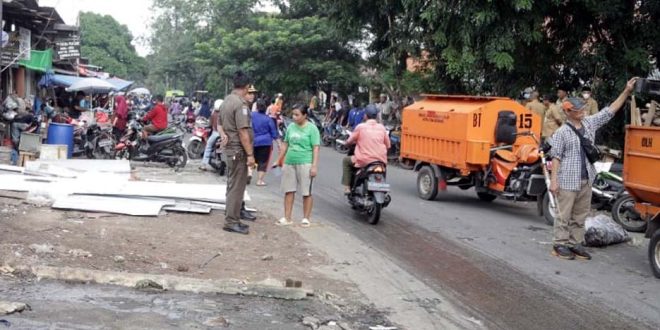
305, 222
283, 222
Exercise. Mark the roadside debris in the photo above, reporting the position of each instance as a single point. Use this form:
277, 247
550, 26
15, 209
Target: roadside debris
119, 259
182, 269
10, 307
80, 253
217, 322
105, 186
311, 322
267, 257
210, 259
601, 230
42, 248
148, 285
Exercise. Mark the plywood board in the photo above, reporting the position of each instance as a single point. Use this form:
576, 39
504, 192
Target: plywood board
188, 207
213, 193
117, 205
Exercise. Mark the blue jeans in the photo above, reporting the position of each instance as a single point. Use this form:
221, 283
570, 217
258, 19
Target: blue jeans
210, 145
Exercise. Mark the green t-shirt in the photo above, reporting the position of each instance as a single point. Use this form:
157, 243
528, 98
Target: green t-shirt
301, 142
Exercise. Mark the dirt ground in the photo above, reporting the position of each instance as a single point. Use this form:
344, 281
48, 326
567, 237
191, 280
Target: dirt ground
173, 243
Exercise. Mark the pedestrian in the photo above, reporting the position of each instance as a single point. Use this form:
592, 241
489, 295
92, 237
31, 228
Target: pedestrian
299, 157
249, 98
535, 105
265, 133
562, 94
217, 132
554, 117
592, 105
121, 117
205, 110
384, 108
236, 122
573, 171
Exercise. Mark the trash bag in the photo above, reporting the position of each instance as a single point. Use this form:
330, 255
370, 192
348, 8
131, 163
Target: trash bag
601, 230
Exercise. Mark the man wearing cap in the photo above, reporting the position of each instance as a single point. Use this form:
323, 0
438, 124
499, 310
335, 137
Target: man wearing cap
573, 174
592, 105
535, 105
236, 120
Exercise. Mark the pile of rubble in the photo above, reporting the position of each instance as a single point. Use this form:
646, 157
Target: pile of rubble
107, 186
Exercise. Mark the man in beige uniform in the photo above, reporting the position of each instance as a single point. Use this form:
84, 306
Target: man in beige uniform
554, 117
535, 105
236, 120
592, 105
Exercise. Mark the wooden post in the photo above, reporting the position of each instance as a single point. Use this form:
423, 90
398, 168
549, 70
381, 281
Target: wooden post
635, 119
651, 114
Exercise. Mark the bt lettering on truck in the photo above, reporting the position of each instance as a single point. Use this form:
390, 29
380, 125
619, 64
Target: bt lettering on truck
434, 117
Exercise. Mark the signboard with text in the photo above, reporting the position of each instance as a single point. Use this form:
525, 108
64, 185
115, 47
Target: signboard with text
68, 48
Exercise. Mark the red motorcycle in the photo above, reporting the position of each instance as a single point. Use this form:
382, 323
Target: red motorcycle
199, 138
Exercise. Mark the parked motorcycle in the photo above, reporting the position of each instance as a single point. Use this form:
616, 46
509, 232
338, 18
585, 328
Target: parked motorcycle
164, 147
370, 191
217, 159
606, 190
331, 132
199, 138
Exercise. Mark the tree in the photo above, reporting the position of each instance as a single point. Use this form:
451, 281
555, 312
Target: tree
108, 44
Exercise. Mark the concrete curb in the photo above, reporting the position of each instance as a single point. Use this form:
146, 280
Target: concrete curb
169, 282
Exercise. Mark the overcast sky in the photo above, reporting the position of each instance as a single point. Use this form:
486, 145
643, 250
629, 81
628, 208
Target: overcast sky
135, 14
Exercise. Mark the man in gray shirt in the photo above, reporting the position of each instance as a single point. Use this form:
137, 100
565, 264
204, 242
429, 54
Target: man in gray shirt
573, 174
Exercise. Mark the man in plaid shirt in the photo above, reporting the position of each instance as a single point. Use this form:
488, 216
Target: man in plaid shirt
573, 175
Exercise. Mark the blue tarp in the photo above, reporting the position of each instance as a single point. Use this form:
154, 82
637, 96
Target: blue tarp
120, 84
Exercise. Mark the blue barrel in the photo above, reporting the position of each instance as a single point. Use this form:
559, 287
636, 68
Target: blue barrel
61, 134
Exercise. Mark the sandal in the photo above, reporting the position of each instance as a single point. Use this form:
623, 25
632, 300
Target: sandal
283, 222
305, 222
261, 184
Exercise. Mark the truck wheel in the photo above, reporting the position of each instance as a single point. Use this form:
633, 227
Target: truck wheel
654, 253
427, 184
624, 213
486, 197
548, 212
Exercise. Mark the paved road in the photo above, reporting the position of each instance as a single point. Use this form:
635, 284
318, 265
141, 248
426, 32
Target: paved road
494, 258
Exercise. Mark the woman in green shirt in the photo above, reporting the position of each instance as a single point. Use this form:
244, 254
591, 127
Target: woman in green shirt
299, 158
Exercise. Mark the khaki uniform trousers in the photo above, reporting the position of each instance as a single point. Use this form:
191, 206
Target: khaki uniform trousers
237, 173
574, 207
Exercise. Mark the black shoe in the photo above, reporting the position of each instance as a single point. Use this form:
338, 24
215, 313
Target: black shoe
580, 252
243, 225
245, 215
563, 252
236, 228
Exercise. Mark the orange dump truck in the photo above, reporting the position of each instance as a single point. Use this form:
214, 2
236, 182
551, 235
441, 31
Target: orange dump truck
489, 143
641, 176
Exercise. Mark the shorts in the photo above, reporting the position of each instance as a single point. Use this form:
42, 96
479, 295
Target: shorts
296, 178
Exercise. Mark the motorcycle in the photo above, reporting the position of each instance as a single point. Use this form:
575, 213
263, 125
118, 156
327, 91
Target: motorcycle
217, 159
164, 147
331, 132
340, 142
606, 191
198, 140
370, 191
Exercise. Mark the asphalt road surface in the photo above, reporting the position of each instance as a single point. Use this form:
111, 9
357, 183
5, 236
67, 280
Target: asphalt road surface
494, 258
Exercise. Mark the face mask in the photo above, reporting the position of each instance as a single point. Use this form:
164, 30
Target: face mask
586, 95
526, 96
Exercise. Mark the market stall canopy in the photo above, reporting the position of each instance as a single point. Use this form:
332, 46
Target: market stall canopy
120, 84
140, 91
91, 85
51, 79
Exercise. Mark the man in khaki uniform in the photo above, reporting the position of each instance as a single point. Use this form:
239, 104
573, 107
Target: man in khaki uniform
562, 94
554, 117
236, 120
535, 105
592, 105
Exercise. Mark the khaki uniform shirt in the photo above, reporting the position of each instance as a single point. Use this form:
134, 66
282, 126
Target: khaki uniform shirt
537, 107
234, 116
592, 107
554, 118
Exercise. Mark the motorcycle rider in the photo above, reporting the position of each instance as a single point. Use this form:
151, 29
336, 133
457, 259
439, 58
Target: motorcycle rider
218, 133
157, 116
372, 143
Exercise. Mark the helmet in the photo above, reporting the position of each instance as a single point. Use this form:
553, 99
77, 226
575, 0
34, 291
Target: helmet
371, 111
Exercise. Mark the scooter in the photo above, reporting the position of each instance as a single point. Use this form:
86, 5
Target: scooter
340, 142
198, 140
370, 191
164, 147
331, 132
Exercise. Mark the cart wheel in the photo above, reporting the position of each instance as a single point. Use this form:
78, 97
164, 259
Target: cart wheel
486, 197
427, 184
654, 253
548, 213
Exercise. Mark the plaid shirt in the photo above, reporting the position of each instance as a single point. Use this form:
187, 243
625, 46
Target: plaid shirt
566, 147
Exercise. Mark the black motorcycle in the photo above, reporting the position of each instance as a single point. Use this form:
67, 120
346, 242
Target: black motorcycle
370, 191
164, 147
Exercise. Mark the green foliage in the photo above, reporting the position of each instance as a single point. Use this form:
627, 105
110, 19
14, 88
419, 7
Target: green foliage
108, 44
